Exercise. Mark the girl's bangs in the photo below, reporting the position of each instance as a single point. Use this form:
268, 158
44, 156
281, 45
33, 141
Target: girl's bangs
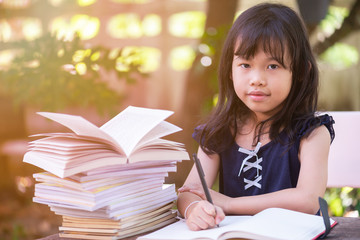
271, 42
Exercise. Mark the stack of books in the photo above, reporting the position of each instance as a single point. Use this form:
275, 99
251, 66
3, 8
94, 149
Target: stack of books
108, 182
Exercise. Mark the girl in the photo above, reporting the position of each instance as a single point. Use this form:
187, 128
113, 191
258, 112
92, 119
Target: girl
263, 137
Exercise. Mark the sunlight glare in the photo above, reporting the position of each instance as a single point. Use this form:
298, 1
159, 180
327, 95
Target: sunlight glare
32, 28
87, 26
187, 24
83, 3
81, 68
5, 31
181, 58
151, 25
62, 29
6, 58
125, 26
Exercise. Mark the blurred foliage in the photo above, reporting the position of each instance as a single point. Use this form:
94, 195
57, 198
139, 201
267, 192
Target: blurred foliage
146, 58
343, 201
54, 74
341, 56
333, 19
18, 232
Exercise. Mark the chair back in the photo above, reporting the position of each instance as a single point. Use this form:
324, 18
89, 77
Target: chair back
344, 155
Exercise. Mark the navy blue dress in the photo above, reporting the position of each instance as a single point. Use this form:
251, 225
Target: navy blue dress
272, 167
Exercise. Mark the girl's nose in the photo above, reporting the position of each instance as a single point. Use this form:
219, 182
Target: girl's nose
258, 78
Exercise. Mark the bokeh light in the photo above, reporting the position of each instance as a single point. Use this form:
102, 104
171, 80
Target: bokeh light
32, 28
5, 31
181, 58
86, 26
187, 24
149, 58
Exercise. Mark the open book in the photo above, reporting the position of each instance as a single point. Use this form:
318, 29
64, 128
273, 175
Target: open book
134, 135
272, 223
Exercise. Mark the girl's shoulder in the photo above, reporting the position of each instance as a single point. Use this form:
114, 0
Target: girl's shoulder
309, 124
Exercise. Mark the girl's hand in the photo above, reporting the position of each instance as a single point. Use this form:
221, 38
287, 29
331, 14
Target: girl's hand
193, 188
203, 215
219, 199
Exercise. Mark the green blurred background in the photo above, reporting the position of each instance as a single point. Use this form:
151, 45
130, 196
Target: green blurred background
95, 57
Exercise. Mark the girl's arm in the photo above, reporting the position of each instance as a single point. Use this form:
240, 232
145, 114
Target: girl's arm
200, 214
313, 155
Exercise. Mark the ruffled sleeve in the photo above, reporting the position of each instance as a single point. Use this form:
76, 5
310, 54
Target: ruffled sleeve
197, 132
315, 122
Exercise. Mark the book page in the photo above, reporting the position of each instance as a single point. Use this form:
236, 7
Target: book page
79, 125
278, 223
143, 196
132, 124
71, 211
162, 129
59, 170
144, 207
179, 230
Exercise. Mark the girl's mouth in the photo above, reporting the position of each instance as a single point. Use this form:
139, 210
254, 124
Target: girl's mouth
257, 95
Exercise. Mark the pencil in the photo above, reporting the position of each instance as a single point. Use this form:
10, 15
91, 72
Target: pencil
202, 179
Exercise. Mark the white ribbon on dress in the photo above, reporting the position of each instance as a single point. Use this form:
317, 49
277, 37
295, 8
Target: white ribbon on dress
249, 165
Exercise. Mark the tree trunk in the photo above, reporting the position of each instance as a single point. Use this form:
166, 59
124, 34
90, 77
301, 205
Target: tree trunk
12, 126
201, 83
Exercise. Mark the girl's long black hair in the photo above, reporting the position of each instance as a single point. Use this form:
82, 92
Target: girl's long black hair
276, 29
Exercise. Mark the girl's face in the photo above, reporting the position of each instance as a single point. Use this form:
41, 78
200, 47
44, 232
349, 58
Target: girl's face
262, 83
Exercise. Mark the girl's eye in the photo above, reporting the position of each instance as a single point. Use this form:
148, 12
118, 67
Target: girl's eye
245, 65
273, 66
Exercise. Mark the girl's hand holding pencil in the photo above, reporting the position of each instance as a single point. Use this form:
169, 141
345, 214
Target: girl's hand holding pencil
203, 215
199, 211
